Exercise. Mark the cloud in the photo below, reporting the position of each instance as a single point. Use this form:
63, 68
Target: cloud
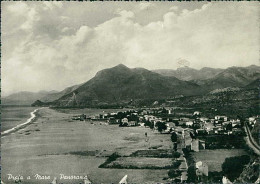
46, 47
145, 5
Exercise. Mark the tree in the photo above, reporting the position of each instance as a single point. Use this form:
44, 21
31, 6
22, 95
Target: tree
176, 155
174, 137
192, 177
161, 126
173, 173
229, 127
233, 166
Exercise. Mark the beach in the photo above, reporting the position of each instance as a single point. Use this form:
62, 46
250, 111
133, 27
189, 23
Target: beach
55, 146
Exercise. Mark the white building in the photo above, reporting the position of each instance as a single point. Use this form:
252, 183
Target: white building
202, 169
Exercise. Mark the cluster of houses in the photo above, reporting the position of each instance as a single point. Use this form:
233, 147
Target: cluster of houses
201, 125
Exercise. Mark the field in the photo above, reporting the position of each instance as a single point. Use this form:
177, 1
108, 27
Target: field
215, 158
54, 145
141, 162
154, 153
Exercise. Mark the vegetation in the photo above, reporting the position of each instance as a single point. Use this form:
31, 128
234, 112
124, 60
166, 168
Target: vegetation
110, 159
161, 126
149, 124
156, 153
191, 174
172, 173
233, 166
223, 141
174, 137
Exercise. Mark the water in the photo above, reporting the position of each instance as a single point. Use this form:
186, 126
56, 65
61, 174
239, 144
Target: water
12, 116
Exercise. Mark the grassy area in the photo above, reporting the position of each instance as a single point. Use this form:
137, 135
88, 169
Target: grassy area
141, 163
159, 153
215, 158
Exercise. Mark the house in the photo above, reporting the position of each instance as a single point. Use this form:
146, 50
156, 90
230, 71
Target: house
124, 120
184, 176
195, 145
236, 123
141, 124
112, 120
189, 123
202, 144
132, 123
196, 113
223, 118
183, 166
188, 143
225, 180
202, 169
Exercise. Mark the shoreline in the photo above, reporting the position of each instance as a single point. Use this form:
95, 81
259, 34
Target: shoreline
22, 125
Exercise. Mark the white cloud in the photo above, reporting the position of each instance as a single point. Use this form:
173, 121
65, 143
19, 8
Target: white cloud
145, 5
53, 53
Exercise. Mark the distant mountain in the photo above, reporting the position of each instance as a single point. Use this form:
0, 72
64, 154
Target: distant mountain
122, 84
24, 97
231, 77
28, 98
187, 73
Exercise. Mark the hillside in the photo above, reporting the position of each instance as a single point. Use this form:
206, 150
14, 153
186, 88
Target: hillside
121, 84
232, 77
211, 78
187, 73
24, 97
242, 101
54, 96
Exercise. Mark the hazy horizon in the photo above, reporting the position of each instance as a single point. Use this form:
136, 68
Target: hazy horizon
54, 45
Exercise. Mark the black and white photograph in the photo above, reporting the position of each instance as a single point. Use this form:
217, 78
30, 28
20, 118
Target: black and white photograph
121, 92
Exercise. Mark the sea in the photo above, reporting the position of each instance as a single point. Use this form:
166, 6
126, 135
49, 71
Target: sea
12, 115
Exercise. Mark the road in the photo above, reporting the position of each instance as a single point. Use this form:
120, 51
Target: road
251, 142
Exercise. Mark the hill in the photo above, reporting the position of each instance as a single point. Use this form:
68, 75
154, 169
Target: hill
187, 73
24, 97
231, 77
121, 84
28, 98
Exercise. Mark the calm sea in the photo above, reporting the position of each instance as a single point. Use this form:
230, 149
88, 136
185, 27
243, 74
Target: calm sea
14, 115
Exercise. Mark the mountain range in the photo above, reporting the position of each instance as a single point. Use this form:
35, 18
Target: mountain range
122, 85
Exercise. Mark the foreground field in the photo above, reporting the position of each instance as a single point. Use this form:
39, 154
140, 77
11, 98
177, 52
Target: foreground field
55, 145
141, 162
215, 158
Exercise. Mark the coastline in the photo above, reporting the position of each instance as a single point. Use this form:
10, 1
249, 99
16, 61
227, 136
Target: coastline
22, 125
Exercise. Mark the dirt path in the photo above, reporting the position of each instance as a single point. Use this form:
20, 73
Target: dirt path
251, 142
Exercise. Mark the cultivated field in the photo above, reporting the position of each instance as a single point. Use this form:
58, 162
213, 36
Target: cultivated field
215, 158
141, 162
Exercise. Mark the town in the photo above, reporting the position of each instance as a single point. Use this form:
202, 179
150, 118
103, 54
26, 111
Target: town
190, 135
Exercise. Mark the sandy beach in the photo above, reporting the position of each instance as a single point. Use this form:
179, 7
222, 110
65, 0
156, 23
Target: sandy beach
52, 145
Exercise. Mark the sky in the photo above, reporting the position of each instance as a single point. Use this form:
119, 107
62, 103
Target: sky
53, 45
